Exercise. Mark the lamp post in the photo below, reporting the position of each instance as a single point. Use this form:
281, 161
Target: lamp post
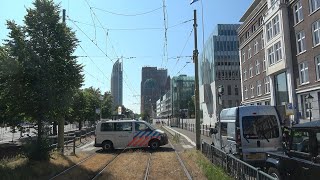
309, 99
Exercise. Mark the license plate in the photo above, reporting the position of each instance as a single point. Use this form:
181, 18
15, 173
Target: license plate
256, 156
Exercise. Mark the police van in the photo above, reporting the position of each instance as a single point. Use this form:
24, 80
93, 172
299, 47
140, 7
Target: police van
248, 132
120, 134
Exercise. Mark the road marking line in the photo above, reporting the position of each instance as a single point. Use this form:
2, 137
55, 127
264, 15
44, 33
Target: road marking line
84, 146
187, 146
89, 149
188, 139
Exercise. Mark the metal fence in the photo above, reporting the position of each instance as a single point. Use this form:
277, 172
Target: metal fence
73, 139
233, 166
204, 128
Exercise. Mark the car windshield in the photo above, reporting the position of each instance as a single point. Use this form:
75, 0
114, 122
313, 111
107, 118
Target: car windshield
260, 127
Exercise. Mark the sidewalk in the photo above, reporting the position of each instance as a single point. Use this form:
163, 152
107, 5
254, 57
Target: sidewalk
192, 135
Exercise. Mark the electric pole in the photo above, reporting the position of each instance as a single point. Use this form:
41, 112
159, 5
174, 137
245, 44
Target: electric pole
195, 59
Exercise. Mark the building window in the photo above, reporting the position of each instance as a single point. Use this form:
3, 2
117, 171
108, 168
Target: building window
255, 47
264, 64
245, 92
269, 31
237, 103
257, 67
317, 63
260, 20
266, 85
252, 90
271, 56
316, 33
229, 103
301, 42
276, 26
245, 74
236, 90
262, 41
253, 28
250, 71
259, 88
297, 11
314, 5
249, 52
278, 52
229, 89
267, 103
243, 56
304, 76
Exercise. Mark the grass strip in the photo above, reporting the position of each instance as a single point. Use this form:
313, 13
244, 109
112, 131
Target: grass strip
211, 171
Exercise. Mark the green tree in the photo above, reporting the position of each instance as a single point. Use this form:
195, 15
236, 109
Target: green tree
107, 106
191, 107
45, 71
92, 96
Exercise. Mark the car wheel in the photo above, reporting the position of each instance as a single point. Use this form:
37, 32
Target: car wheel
154, 144
107, 146
274, 173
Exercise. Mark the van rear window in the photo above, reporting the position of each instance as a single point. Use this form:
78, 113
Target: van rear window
260, 127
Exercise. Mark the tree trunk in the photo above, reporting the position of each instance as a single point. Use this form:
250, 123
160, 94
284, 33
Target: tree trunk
80, 125
39, 138
61, 135
54, 128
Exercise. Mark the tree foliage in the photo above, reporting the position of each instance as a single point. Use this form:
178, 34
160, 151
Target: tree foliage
39, 75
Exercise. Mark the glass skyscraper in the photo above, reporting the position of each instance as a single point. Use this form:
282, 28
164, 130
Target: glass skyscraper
219, 66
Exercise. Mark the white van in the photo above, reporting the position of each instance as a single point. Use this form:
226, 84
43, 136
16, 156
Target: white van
248, 132
120, 134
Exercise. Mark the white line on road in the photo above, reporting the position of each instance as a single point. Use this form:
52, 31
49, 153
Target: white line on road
82, 147
188, 139
89, 149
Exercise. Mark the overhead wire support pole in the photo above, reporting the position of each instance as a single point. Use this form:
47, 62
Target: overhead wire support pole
195, 59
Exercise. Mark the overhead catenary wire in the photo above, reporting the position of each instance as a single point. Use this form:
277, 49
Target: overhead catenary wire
106, 32
99, 49
183, 49
183, 67
112, 46
93, 62
131, 29
122, 14
94, 77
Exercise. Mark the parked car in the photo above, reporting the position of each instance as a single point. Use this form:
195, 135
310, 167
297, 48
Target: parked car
301, 158
248, 132
120, 134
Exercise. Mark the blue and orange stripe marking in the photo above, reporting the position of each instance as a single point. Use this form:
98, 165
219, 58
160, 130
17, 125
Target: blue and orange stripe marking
142, 138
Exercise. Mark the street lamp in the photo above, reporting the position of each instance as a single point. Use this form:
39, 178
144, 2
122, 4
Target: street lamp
309, 99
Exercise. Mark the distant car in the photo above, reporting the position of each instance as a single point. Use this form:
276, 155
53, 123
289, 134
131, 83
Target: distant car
301, 159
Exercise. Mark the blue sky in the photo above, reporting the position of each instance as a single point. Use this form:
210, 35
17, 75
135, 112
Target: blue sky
139, 39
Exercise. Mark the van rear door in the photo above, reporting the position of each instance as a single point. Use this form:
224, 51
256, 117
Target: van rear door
260, 132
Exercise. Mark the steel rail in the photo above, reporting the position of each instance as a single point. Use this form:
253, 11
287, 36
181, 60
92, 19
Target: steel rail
146, 176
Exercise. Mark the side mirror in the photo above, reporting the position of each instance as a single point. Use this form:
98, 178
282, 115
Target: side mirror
213, 131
